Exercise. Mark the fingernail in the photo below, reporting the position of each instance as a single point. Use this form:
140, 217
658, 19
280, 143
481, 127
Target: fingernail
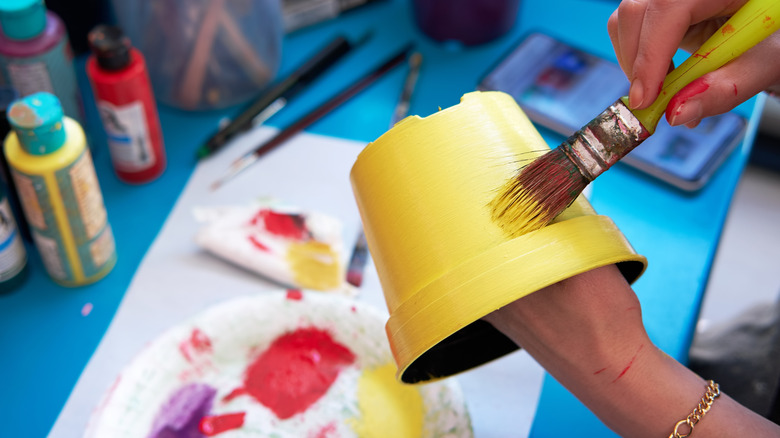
693, 124
687, 112
635, 94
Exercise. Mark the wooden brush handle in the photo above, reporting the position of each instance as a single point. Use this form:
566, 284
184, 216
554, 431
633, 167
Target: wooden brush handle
752, 23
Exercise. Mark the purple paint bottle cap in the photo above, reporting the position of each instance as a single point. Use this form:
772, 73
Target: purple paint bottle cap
22, 19
37, 121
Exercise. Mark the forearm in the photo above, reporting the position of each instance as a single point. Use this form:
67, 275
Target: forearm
587, 333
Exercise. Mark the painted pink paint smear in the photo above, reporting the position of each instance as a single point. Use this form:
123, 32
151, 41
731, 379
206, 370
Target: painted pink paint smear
86, 310
216, 424
328, 431
197, 344
258, 244
696, 87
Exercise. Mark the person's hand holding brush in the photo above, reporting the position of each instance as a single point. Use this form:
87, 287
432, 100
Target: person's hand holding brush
647, 33
587, 332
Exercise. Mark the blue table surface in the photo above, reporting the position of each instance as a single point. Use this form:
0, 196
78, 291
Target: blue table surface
45, 342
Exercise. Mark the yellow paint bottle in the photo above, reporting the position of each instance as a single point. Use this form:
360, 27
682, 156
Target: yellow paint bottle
59, 191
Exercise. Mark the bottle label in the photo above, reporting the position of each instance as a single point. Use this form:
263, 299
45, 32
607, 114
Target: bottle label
12, 254
51, 255
50, 71
29, 78
128, 136
68, 220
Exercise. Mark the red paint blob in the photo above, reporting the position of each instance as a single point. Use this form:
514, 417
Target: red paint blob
290, 226
698, 86
727, 29
216, 424
294, 294
295, 371
258, 244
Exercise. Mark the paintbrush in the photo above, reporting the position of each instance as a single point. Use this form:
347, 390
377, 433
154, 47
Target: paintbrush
250, 158
545, 187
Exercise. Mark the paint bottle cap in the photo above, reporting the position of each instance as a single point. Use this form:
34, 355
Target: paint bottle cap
22, 19
111, 47
37, 121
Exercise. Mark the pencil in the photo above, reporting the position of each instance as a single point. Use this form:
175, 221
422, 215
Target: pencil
247, 160
550, 183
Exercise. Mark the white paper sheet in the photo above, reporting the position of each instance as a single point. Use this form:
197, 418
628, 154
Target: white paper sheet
177, 280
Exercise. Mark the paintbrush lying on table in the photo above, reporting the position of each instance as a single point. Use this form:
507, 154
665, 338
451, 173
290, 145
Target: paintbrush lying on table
304, 122
544, 188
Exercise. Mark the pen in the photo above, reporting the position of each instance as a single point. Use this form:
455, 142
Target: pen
276, 98
357, 260
248, 159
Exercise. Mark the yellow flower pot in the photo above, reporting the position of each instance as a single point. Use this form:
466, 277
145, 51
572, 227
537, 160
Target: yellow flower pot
423, 190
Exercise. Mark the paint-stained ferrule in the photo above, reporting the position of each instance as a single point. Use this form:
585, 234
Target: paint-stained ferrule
605, 140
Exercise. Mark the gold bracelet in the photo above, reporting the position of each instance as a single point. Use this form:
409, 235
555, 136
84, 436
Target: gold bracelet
713, 391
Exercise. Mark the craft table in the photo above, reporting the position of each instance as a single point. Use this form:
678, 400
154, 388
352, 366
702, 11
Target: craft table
49, 333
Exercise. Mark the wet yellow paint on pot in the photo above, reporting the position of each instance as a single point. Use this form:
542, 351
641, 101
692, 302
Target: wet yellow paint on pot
424, 190
388, 408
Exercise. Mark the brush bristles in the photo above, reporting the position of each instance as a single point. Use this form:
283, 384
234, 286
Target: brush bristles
539, 193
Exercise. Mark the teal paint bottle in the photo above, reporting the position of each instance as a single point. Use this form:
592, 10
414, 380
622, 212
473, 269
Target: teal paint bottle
35, 54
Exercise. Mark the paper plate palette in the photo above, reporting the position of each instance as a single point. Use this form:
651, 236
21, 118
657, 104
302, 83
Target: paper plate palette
282, 364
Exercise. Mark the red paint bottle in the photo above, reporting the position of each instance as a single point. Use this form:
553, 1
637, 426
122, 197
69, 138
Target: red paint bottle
120, 81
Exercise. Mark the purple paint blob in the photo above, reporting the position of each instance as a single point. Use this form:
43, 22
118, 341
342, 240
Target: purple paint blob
180, 416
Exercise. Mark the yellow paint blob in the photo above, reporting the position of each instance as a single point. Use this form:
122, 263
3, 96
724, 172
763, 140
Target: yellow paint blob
388, 408
315, 265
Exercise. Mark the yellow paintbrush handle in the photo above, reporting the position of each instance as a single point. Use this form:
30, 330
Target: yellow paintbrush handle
753, 22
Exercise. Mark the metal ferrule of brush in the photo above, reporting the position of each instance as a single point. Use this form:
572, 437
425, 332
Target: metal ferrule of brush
605, 140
